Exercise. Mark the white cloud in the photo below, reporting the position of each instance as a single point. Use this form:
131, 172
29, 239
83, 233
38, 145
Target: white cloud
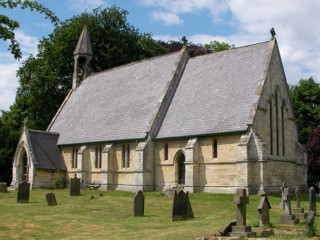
8, 84
28, 44
86, 5
9, 67
171, 9
167, 18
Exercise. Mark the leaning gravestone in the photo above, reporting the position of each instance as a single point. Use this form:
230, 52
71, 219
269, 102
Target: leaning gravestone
263, 208
3, 187
299, 211
287, 218
241, 230
138, 204
181, 207
75, 186
23, 192
227, 229
51, 199
312, 201
309, 223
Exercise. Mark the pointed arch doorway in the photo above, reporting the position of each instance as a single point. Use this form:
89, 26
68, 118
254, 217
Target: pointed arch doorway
24, 173
180, 168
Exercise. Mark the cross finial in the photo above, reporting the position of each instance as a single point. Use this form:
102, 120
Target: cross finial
184, 41
273, 33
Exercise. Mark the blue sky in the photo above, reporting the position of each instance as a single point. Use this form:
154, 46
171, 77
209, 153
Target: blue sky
239, 22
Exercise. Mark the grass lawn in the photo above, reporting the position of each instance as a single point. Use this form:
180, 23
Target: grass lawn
111, 216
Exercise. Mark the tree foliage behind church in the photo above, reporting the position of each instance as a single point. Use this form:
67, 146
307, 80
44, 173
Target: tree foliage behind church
305, 98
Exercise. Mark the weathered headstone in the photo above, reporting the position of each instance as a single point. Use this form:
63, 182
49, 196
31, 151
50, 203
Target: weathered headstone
241, 230
298, 211
75, 186
23, 192
287, 218
281, 204
3, 187
309, 222
227, 229
51, 199
263, 209
138, 204
312, 201
181, 207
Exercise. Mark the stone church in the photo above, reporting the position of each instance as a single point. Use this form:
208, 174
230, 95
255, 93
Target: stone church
211, 123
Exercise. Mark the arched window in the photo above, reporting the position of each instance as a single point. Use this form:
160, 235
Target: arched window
125, 155
98, 156
271, 126
215, 148
128, 156
74, 161
283, 129
277, 124
166, 151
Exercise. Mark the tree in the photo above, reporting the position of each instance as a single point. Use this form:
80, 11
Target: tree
8, 25
197, 49
313, 152
216, 46
306, 105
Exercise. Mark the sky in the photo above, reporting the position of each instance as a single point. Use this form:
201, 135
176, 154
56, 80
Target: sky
238, 22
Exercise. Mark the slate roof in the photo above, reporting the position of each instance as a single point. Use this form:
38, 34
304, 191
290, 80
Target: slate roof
46, 153
115, 104
216, 92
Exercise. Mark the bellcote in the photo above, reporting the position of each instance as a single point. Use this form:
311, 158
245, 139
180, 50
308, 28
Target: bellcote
82, 58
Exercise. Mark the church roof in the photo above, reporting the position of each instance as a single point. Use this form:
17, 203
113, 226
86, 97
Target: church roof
217, 92
44, 148
116, 104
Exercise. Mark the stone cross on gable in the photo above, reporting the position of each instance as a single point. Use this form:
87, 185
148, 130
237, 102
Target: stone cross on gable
241, 200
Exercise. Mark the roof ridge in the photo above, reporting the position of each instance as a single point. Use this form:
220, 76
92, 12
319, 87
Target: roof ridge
133, 63
42, 131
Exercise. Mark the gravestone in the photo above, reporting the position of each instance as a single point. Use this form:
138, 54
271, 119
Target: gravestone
51, 199
181, 207
23, 192
75, 186
281, 204
309, 222
241, 230
227, 229
298, 211
3, 187
263, 209
287, 218
138, 204
312, 201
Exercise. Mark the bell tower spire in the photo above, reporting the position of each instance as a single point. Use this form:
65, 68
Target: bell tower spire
82, 58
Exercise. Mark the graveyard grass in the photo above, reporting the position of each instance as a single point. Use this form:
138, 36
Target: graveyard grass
111, 216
